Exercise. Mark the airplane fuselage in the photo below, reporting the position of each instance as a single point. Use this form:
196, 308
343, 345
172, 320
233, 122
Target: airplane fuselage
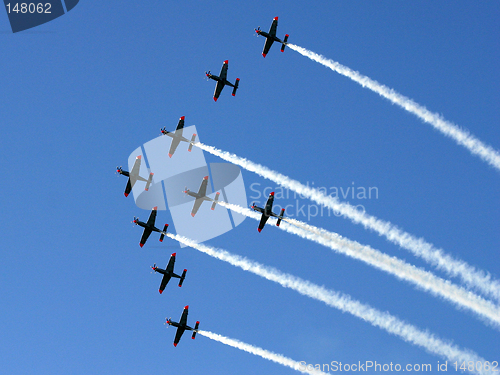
147, 226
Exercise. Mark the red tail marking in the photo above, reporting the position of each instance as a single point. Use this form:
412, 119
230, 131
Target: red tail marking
140, 156
205, 178
187, 307
155, 208
275, 18
183, 117
272, 193
226, 62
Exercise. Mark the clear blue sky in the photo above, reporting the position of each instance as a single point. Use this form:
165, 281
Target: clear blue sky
80, 93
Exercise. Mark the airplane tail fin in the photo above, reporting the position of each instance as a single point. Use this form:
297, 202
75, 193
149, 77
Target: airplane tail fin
284, 43
193, 138
280, 217
195, 330
236, 86
150, 179
215, 201
164, 232
183, 276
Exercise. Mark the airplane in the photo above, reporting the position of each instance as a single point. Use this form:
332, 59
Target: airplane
267, 212
168, 273
182, 326
149, 227
177, 137
271, 37
133, 176
222, 81
201, 196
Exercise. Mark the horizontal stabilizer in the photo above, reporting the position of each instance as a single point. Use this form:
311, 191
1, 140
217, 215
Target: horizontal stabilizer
183, 276
195, 329
193, 138
150, 179
215, 201
280, 217
236, 86
162, 236
284, 43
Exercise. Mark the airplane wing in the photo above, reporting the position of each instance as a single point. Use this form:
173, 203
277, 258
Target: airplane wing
173, 145
196, 206
263, 221
128, 188
223, 71
180, 125
267, 46
170, 265
274, 26
184, 316
136, 167
145, 236
218, 88
202, 191
178, 335
152, 217
164, 282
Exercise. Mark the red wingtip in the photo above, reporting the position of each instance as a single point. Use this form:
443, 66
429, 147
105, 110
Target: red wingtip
233, 94
185, 270
141, 244
237, 79
187, 307
161, 240
139, 157
126, 194
226, 62
174, 254
175, 344
275, 18
156, 207
192, 214
264, 54
169, 155
161, 291
215, 99
183, 117
146, 189
259, 229
151, 174
194, 135
205, 178
287, 35
218, 193
272, 193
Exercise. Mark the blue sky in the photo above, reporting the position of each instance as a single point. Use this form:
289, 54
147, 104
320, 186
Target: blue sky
80, 93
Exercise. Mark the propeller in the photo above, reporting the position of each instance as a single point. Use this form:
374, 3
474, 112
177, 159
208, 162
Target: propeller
119, 170
164, 130
167, 322
207, 75
185, 190
135, 220
153, 268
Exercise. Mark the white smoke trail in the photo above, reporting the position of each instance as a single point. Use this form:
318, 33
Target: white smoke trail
343, 302
278, 358
397, 267
462, 137
477, 279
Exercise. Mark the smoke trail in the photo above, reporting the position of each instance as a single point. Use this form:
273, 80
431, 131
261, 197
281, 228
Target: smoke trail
462, 137
343, 302
397, 267
477, 279
278, 358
